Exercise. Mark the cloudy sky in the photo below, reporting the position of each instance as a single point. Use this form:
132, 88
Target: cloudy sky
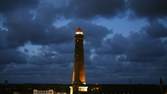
125, 40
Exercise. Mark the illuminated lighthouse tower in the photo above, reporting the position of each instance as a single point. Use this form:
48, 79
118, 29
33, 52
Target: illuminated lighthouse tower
78, 75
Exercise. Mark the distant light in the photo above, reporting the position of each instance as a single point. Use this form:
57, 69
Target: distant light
84, 83
83, 88
71, 90
79, 33
50, 91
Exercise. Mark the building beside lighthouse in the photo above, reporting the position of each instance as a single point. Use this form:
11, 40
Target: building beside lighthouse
78, 83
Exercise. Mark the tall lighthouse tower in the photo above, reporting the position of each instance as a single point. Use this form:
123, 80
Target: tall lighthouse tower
78, 74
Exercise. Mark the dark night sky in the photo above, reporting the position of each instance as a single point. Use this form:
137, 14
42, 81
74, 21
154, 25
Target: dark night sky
125, 40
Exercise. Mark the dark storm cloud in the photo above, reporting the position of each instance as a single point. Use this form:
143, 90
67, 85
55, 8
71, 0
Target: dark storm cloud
11, 55
22, 28
49, 10
92, 8
9, 5
46, 14
157, 30
19, 32
54, 55
65, 48
17, 38
142, 47
149, 8
131, 58
2, 40
116, 45
25, 72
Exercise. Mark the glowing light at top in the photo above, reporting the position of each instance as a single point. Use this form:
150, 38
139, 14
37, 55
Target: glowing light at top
79, 31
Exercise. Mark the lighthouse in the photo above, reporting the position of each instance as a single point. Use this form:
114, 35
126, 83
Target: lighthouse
78, 74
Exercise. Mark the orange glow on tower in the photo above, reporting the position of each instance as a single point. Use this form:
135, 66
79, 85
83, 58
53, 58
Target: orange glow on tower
78, 76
